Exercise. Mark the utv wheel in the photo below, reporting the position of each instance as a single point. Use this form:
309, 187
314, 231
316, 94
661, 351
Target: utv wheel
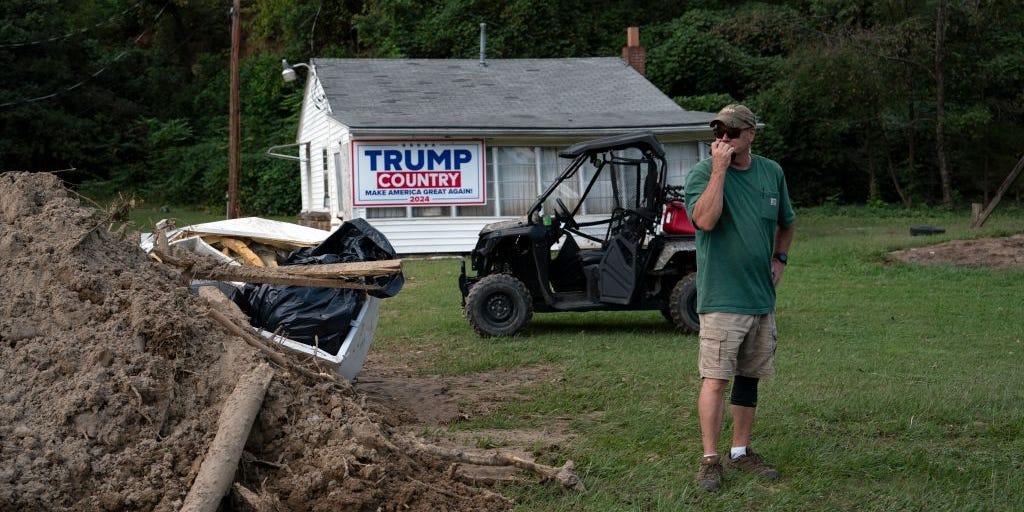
683, 304
498, 305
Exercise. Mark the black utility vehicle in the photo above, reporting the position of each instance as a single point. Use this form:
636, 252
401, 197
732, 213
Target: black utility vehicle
624, 243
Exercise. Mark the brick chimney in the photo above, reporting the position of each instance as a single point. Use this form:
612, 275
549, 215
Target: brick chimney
634, 54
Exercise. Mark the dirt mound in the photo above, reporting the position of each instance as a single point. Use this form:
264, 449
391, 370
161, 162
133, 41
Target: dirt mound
1005, 252
114, 378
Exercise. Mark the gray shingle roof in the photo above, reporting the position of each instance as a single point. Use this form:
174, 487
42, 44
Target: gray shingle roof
513, 95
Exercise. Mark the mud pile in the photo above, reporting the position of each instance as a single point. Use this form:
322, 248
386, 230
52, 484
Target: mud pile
114, 377
1003, 252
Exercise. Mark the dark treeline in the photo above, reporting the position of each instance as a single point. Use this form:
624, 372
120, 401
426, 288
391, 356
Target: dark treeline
905, 102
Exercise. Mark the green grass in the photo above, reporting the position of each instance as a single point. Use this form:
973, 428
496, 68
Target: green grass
898, 387
145, 217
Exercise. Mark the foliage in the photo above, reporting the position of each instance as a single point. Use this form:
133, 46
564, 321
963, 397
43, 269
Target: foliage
515, 28
715, 51
133, 94
704, 102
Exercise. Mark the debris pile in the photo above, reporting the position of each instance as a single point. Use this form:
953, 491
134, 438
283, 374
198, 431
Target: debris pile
115, 378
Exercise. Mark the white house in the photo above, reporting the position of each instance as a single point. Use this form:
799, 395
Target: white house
431, 150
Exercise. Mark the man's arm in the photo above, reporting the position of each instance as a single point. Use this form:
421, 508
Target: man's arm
708, 208
783, 237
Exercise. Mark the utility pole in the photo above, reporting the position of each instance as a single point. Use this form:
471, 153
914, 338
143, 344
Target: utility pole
235, 122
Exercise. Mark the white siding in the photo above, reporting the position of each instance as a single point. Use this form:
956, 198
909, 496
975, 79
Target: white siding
419, 236
321, 132
344, 202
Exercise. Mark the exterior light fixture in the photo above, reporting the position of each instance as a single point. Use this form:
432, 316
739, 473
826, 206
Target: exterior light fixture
288, 71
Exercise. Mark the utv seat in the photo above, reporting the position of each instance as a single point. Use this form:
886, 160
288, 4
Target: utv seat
591, 256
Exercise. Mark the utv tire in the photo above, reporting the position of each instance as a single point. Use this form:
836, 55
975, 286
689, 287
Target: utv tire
683, 304
498, 305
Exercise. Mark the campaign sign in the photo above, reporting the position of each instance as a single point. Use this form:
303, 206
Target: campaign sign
418, 173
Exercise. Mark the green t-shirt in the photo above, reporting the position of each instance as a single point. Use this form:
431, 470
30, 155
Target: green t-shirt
734, 273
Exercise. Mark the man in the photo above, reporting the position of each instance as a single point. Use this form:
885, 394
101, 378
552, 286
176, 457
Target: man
740, 206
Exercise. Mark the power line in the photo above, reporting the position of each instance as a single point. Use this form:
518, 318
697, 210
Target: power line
116, 58
72, 33
312, 31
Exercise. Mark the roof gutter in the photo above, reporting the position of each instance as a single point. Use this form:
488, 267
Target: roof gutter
469, 131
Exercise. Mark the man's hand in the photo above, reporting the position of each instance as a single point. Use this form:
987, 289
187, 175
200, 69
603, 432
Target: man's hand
721, 156
777, 269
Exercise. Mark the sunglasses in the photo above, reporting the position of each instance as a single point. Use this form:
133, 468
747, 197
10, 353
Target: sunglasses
721, 131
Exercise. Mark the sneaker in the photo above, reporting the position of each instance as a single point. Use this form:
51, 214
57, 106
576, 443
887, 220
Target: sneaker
753, 463
709, 476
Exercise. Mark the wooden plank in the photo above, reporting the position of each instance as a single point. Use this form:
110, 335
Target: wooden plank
336, 276
242, 250
246, 275
348, 270
999, 195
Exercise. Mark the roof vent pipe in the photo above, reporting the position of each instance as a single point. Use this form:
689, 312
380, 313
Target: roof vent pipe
483, 44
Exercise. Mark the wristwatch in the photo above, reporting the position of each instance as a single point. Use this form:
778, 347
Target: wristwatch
782, 257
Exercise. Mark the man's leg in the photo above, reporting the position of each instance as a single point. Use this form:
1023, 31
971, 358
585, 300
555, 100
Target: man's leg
720, 337
756, 359
742, 424
743, 404
710, 406
743, 421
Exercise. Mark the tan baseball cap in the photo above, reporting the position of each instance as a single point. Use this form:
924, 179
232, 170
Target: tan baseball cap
736, 116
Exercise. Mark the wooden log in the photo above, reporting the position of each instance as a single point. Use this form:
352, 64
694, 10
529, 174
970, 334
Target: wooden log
274, 275
290, 275
355, 269
565, 476
217, 471
242, 250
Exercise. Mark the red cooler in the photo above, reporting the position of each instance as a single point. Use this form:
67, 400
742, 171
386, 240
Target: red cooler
676, 222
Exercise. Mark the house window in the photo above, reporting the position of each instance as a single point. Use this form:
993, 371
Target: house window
327, 188
569, 190
600, 198
390, 212
679, 159
432, 211
308, 164
487, 209
516, 179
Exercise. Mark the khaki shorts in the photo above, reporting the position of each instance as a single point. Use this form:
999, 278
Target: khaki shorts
733, 344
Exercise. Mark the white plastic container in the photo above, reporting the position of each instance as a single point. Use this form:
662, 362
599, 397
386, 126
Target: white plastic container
352, 353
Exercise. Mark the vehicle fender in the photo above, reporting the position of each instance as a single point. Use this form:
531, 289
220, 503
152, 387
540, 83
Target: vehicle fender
671, 248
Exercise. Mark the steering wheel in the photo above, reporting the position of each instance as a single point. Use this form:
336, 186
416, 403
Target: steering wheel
566, 215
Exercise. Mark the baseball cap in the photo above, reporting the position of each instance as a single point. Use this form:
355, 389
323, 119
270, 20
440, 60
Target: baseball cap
735, 116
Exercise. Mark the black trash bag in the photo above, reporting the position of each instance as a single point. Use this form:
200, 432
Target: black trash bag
355, 240
322, 317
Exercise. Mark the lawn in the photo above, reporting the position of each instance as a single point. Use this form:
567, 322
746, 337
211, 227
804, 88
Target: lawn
144, 217
898, 387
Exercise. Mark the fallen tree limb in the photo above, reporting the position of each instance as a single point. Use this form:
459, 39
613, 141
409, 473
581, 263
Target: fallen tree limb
334, 275
242, 250
377, 268
217, 471
565, 476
